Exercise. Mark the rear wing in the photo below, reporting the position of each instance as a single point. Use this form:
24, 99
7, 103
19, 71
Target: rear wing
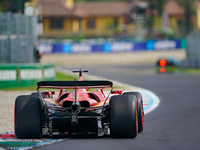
74, 84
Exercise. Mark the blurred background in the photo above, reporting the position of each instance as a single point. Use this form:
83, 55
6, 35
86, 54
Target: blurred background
34, 31
153, 44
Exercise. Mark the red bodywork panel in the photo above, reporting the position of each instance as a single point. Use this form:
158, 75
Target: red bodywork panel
82, 95
79, 94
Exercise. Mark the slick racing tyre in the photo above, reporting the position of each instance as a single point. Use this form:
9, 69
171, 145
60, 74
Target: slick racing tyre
28, 117
35, 94
139, 109
123, 116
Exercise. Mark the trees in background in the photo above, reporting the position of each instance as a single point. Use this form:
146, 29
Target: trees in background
12, 5
4, 5
189, 7
100, 0
158, 5
154, 5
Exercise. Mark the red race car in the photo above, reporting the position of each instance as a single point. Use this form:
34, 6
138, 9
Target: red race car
78, 107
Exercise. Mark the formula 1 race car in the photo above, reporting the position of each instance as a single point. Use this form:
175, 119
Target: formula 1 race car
166, 62
78, 107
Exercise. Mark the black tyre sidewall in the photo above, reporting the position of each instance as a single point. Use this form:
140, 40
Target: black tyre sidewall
35, 94
139, 108
28, 117
123, 115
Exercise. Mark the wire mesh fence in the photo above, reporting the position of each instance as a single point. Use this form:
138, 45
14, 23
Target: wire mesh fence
193, 51
17, 38
193, 46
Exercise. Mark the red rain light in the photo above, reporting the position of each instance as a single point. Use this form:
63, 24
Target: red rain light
162, 63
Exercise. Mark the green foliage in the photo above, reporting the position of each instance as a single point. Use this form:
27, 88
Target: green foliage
75, 37
154, 5
18, 5
157, 5
4, 5
101, 0
12, 5
189, 8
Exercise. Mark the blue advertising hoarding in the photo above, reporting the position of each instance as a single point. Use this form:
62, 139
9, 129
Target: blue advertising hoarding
110, 47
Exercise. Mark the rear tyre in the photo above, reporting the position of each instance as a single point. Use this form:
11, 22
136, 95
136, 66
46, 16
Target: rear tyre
123, 116
28, 117
35, 94
139, 108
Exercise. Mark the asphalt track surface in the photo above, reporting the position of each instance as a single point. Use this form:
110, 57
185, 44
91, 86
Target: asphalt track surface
174, 124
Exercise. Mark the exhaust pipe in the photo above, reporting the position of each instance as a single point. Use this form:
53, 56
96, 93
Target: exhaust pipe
75, 108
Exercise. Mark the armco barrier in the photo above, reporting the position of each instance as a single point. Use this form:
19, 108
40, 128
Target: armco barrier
22, 75
111, 47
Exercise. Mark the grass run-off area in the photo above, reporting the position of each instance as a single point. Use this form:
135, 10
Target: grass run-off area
59, 77
180, 70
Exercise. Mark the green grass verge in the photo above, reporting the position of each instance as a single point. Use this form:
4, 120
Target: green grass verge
63, 77
191, 71
59, 77
179, 70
